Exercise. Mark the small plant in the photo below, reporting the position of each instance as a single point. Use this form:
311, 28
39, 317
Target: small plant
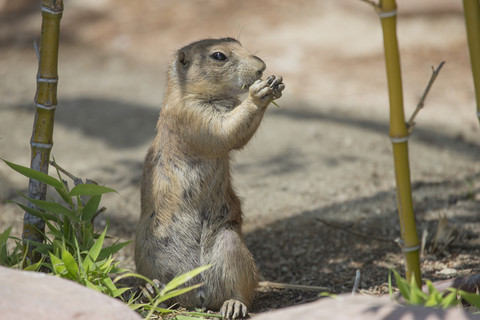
70, 222
87, 268
170, 290
74, 251
13, 257
414, 295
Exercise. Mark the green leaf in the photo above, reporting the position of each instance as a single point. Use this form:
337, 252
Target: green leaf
472, 298
97, 247
390, 286
181, 317
90, 285
4, 257
64, 195
112, 288
106, 265
63, 191
53, 228
35, 175
81, 263
431, 287
202, 314
118, 292
169, 295
5, 235
94, 252
402, 285
148, 306
53, 207
89, 189
416, 295
87, 265
109, 283
450, 300
116, 270
181, 279
177, 292
276, 105
135, 306
132, 274
37, 213
91, 207
434, 297
34, 267
43, 248
70, 264
57, 265
110, 250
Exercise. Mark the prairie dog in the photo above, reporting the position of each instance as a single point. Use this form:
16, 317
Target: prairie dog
190, 214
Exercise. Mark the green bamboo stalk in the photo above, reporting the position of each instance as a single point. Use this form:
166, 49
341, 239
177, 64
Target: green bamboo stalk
471, 10
399, 137
45, 102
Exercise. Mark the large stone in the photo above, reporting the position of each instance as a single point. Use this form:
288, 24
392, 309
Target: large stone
363, 308
34, 295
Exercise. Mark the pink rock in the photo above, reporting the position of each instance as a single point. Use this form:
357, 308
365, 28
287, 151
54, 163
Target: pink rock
363, 308
35, 295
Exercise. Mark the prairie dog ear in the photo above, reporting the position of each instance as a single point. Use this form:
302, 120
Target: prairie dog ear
182, 59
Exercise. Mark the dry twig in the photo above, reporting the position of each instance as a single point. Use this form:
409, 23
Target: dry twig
421, 103
76, 180
346, 229
356, 284
277, 285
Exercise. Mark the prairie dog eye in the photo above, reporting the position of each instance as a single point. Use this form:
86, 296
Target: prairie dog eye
219, 56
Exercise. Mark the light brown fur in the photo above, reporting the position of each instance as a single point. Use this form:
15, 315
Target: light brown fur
190, 214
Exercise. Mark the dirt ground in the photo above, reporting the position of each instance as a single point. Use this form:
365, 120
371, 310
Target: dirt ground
325, 154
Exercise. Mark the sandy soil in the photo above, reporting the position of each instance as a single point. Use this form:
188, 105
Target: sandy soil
325, 154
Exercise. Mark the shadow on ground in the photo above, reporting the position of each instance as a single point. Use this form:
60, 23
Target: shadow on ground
302, 250
423, 135
119, 124
124, 125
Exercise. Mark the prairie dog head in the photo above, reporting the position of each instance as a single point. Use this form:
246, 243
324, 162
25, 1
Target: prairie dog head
215, 68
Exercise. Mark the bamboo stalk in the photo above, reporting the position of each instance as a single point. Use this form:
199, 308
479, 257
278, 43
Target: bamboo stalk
471, 10
45, 102
399, 138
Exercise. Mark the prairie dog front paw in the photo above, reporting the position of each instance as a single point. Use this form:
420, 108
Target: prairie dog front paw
263, 92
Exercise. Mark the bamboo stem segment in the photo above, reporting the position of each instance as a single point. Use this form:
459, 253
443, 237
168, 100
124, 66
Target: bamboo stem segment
471, 10
45, 101
399, 138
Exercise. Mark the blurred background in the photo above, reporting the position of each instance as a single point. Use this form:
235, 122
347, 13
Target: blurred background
325, 152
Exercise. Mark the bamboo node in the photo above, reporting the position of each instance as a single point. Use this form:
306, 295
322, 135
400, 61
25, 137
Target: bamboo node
388, 14
47, 80
40, 145
411, 249
399, 139
48, 10
44, 107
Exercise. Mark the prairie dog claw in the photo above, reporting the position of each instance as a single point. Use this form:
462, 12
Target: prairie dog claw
232, 309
